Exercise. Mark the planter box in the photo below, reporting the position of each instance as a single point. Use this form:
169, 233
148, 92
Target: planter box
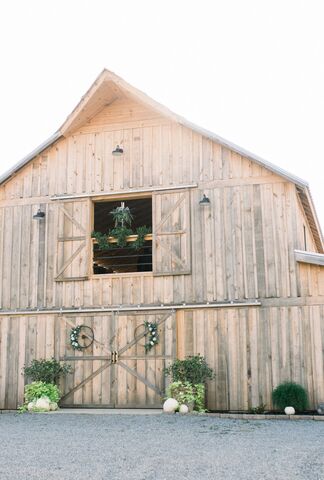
130, 238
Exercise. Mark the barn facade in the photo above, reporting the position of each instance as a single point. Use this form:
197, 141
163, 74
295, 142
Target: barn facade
236, 276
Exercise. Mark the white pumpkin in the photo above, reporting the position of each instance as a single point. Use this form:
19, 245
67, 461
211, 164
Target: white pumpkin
30, 406
289, 411
43, 403
170, 405
53, 406
183, 408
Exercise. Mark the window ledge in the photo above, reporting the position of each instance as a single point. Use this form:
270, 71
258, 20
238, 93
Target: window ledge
120, 275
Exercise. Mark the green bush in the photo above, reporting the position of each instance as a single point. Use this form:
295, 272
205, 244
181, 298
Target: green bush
47, 371
36, 390
186, 393
290, 394
193, 369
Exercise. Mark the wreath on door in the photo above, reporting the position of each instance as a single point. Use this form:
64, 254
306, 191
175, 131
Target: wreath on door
81, 337
152, 335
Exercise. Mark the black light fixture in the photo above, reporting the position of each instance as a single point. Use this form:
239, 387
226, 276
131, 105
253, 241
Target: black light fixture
204, 202
39, 215
118, 151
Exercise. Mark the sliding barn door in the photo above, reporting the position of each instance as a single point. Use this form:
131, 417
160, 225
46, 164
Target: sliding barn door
73, 242
92, 381
116, 370
140, 374
171, 233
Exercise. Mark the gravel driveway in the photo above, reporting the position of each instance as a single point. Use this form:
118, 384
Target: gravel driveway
158, 447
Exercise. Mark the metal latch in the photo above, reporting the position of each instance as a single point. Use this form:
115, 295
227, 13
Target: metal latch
114, 356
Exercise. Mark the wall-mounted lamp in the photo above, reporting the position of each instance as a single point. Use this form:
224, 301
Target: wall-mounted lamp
39, 215
118, 151
204, 202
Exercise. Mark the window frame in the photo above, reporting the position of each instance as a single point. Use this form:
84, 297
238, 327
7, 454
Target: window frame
112, 198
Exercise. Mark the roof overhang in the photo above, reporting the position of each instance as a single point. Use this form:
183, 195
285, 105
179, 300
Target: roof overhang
307, 203
38, 150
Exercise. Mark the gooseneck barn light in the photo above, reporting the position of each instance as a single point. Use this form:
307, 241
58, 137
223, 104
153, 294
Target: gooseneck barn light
118, 151
39, 215
204, 202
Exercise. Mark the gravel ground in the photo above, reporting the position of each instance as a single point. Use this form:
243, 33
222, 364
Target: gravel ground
157, 447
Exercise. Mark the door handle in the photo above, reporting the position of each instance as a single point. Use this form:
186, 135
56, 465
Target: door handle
114, 356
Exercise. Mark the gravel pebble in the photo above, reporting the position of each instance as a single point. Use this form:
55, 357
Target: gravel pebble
157, 447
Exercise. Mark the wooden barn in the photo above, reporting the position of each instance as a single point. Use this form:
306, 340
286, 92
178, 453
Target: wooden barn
230, 266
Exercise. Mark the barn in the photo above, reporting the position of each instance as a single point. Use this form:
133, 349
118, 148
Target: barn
230, 263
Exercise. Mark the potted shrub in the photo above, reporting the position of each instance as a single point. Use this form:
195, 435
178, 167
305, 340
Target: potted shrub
47, 371
43, 393
187, 394
189, 377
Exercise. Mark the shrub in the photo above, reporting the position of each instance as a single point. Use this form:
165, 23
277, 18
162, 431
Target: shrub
186, 393
36, 390
290, 394
47, 371
193, 369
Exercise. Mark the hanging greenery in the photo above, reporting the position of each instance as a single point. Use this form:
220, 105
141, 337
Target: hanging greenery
152, 334
102, 240
120, 233
122, 216
141, 232
123, 219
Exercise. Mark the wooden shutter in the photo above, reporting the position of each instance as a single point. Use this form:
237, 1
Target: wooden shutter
74, 240
171, 233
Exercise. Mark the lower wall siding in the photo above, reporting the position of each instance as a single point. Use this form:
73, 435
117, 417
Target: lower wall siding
251, 350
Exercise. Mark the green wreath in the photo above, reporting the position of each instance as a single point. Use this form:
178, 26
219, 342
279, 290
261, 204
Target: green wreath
84, 333
152, 334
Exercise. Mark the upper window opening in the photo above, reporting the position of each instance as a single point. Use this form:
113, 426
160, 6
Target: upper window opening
122, 237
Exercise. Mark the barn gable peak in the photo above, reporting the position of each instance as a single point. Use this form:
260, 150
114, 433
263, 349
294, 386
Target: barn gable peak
105, 90
109, 87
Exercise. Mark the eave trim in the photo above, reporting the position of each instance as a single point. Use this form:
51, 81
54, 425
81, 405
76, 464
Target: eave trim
49, 142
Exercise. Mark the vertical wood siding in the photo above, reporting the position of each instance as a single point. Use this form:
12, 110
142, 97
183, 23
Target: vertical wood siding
241, 247
253, 350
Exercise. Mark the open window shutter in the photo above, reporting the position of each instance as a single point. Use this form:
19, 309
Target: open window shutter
171, 233
73, 243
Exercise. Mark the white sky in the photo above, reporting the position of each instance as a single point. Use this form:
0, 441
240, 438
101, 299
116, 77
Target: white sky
252, 71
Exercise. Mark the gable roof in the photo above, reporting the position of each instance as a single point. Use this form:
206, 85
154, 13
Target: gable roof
108, 87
